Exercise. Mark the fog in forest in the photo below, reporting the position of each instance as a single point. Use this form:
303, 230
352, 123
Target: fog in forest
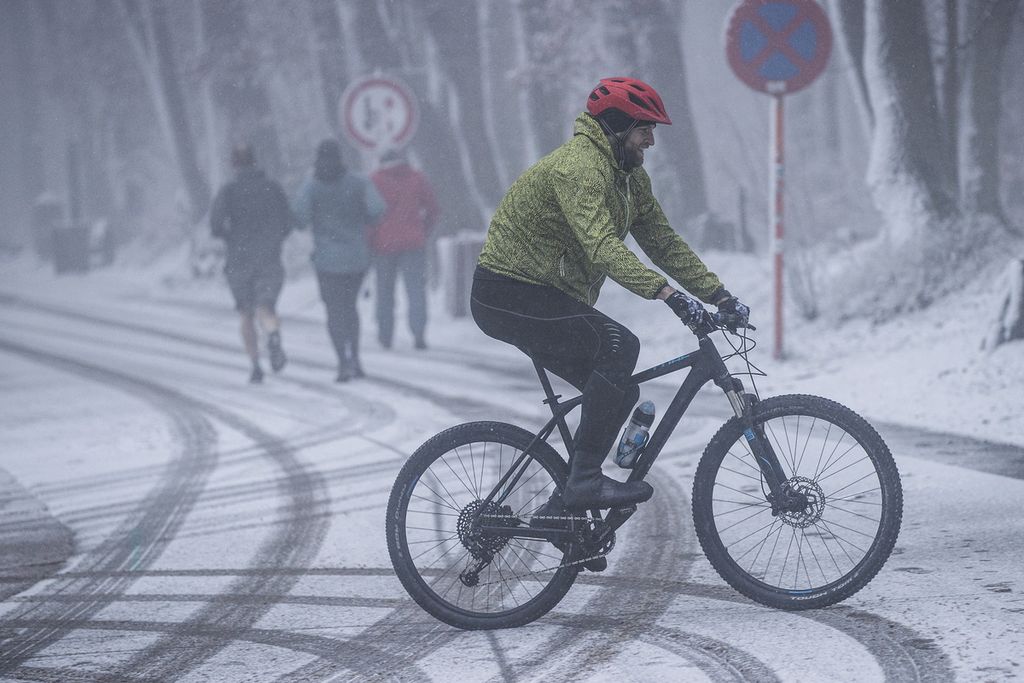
902, 154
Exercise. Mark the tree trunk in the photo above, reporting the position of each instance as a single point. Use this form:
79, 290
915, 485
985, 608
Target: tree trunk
1008, 323
181, 129
851, 38
330, 55
662, 57
982, 100
951, 88
460, 59
530, 150
909, 179
151, 39
497, 98
19, 104
215, 151
545, 81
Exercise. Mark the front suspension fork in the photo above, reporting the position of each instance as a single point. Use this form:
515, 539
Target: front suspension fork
743, 405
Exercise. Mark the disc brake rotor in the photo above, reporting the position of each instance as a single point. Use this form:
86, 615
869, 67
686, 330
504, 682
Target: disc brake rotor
813, 498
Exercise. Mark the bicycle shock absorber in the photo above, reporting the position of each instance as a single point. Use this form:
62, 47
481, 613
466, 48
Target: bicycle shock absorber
744, 405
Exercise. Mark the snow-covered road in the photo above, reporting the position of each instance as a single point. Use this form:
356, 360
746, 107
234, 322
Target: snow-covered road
235, 533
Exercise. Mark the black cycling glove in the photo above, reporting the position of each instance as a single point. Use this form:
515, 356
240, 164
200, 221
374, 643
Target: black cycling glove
732, 306
689, 310
736, 313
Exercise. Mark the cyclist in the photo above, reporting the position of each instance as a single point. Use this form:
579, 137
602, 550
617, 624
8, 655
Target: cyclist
557, 234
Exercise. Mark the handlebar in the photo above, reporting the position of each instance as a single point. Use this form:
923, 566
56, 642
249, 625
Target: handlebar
713, 322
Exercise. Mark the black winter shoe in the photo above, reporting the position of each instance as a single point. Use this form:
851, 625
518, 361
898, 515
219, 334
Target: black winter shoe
601, 492
589, 488
256, 376
553, 508
277, 357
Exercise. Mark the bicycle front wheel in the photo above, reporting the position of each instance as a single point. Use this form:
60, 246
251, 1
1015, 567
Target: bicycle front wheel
833, 546
456, 571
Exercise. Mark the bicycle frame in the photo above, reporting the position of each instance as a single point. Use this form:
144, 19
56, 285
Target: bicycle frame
706, 365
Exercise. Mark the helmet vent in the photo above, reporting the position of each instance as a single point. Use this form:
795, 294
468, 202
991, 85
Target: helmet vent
639, 102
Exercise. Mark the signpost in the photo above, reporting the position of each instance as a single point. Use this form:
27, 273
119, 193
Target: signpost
378, 113
778, 47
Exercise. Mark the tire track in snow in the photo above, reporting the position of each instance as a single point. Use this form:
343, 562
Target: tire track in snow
294, 543
319, 646
140, 539
901, 652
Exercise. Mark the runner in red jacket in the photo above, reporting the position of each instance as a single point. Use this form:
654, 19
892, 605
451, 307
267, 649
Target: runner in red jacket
399, 244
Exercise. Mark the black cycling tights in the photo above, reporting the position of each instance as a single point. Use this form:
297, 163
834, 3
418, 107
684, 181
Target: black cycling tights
574, 341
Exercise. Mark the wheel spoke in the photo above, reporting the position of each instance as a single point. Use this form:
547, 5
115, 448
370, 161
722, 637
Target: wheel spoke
446, 544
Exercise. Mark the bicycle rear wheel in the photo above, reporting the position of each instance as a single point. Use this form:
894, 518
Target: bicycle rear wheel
823, 553
435, 545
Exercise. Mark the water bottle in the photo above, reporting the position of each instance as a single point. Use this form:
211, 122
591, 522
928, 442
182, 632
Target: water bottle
635, 435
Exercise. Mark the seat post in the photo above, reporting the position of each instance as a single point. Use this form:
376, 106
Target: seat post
552, 402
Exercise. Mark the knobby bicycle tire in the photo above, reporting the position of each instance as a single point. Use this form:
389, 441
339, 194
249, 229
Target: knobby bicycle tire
457, 459
837, 536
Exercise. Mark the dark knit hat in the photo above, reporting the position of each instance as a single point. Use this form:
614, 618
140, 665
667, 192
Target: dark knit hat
328, 166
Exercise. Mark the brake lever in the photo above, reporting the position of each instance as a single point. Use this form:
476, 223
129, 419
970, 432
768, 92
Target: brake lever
731, 323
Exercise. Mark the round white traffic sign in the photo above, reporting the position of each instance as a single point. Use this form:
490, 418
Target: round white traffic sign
378, 113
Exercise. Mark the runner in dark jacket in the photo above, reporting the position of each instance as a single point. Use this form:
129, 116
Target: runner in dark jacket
251, 215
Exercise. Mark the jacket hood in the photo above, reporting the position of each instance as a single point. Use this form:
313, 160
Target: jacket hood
587, 126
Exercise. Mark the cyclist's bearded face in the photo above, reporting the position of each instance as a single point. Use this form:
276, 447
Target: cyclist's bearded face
637, 140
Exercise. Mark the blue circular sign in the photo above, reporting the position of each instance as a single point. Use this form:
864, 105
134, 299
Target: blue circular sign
778, 46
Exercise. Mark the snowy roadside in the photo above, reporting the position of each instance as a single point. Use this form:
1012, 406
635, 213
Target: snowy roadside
923, 369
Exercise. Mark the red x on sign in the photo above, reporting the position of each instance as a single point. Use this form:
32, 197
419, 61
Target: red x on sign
778, 46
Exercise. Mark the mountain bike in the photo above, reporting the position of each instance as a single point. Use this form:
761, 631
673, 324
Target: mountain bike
797, 502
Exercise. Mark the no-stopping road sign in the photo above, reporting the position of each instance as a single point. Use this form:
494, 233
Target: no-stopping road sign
378, 113
778, 46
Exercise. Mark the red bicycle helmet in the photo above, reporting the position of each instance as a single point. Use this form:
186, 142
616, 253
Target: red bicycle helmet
631, 96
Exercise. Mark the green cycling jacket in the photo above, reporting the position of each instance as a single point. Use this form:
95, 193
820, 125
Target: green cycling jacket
563, 222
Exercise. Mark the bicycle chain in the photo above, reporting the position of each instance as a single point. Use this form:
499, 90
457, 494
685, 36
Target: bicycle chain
567, 518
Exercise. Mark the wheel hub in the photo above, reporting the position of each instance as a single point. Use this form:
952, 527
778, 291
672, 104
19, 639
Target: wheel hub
803, 502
